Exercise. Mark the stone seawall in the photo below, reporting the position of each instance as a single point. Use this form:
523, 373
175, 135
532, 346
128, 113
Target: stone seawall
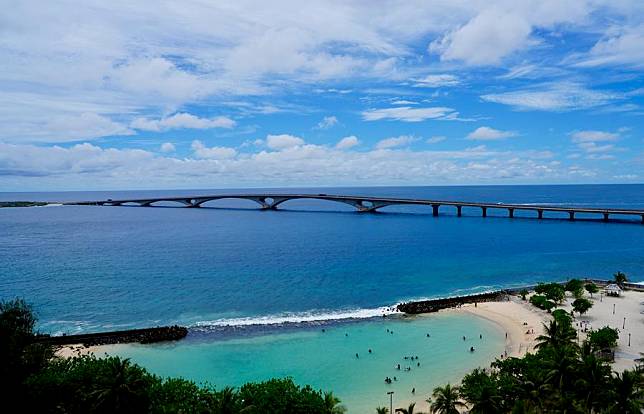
144, 336
434, 305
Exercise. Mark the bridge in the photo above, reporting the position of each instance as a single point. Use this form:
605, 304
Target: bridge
372, 204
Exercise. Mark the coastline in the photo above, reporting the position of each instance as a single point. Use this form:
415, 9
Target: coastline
522, 322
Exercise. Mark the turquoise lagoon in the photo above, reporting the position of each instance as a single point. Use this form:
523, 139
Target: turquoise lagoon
326, 359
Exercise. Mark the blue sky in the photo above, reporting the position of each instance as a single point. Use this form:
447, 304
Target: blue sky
204, 94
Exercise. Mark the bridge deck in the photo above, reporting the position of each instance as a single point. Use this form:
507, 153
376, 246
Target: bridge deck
368, 204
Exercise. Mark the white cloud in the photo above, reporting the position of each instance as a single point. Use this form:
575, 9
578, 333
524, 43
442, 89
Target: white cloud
182, 120
87, 166
485, 133
409, 114
347, 142
167, 147
486, 39
85, 126
587, 142
623, 48
403, 102
327, 122
283, 141
395, 142
553, 97
437, 81
436, 139
594, 136
217, 153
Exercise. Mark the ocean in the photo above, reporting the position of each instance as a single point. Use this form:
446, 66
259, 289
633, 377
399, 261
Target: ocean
263, 283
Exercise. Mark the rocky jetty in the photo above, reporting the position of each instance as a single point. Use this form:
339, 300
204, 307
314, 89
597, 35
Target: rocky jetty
143, 336
434, 305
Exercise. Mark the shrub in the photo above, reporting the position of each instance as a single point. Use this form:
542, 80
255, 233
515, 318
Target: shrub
604, 338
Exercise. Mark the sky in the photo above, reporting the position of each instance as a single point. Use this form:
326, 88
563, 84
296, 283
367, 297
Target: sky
218, 94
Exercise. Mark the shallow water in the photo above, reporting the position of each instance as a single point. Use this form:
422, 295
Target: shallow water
327, 359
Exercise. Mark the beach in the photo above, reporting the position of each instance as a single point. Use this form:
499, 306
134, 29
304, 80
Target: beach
521, 321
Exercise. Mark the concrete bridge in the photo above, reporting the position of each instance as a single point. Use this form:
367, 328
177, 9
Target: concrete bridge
372, 204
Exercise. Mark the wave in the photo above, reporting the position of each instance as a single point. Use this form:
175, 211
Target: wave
288, 318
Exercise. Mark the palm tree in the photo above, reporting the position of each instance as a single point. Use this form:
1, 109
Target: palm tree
332, 404
628, 393
486, 401
382, 410
594, 374
446, 400
122, 388
409, 410
227, 401
559, 365
620, 278
556, 334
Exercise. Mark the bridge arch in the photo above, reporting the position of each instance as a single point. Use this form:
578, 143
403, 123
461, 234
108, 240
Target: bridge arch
262, 201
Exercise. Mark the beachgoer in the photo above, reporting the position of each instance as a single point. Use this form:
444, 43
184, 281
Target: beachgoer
418, 364
481, 336
413, 390
357, 356
428, 335
463, 337
398, 367
471, 349
395, 379
369, 350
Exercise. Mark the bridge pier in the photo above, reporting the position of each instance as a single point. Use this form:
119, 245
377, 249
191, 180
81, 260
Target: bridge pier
605, 216
484, 211
458, 210
435, 209
571, 215
511, 212
540, 214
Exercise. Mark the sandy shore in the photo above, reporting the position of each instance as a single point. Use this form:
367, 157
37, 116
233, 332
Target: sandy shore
522, 322
69, 351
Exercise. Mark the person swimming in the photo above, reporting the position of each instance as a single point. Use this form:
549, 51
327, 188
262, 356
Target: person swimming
357, 356
369, 350
413, 390
471, 349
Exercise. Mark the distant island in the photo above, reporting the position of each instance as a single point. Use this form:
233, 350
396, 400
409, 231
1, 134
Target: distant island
22, 203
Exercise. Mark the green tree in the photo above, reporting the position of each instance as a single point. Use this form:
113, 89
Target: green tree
408, 410
591, 288
557, 334
332, 404
382, 410
581, 305
524, 293
574, 285
446, 400
628, 393
593, 379
555, 293
122, 389
481, 391
542, 302
620, 278
604, 338
20, 355
562, 316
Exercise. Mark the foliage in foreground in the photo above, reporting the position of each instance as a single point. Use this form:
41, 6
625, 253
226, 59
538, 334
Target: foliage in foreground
41, 383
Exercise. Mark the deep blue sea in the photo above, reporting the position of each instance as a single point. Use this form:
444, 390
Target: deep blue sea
87, 268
